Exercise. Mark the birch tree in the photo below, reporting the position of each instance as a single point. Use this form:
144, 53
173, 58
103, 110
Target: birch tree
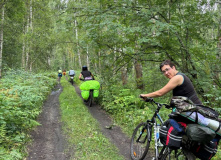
77, 40
1, 37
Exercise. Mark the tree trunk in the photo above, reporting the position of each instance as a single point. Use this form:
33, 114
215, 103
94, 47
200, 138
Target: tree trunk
219, 33
23, 50
88, 63
99, 62
31, 29
139, 75
1, 38
27, 43
218, 56
124, 75
78, 51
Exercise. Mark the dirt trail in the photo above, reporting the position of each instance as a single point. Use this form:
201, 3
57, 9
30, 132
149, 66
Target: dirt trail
48, 141
115, 134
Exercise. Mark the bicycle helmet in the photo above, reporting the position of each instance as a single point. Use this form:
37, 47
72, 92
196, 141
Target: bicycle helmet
84, 68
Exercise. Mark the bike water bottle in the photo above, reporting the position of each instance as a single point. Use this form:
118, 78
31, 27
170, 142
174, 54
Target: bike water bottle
158, 135
158, 131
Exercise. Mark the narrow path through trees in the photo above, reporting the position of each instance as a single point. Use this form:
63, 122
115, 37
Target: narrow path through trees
48, 141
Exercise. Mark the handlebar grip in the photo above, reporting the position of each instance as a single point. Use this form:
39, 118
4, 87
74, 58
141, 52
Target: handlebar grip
142, 97
149, 99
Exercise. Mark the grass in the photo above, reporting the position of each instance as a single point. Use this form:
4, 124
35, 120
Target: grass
82, 130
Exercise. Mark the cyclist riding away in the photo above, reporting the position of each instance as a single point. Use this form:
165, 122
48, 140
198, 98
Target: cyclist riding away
59, 75
64, 72
86, 74
71, 74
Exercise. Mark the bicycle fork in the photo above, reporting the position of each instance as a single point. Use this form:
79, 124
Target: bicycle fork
157, 135
156, 139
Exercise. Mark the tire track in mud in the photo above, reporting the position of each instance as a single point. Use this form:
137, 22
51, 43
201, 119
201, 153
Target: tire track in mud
48, 141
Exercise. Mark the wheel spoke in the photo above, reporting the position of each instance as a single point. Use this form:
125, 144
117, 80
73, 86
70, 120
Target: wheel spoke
139, 142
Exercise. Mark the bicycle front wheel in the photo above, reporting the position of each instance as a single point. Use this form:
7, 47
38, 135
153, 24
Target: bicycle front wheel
140, 142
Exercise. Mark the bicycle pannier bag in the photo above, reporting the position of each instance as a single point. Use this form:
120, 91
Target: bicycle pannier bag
85, 94
200, 133
96, 93
171, 133
205, 151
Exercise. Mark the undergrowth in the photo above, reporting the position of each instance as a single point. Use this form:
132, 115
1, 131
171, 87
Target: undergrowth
21, 98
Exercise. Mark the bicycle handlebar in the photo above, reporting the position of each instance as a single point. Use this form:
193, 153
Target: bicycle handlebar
148, 99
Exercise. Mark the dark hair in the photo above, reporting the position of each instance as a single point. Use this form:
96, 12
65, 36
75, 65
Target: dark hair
166, 62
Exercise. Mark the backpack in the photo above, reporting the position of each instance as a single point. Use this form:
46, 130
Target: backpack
184, 104
59, 74
71, 73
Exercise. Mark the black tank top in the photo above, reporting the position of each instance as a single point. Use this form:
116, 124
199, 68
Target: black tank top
186, 89
86, 74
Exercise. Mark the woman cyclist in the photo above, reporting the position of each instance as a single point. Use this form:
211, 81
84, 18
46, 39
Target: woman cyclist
87, 75
179, 83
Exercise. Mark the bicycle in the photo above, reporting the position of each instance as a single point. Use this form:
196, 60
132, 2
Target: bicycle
90, 99
72, 79
142, 137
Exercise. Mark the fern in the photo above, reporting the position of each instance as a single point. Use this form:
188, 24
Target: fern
3, 132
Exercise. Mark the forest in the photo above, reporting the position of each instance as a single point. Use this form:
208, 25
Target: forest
122, 42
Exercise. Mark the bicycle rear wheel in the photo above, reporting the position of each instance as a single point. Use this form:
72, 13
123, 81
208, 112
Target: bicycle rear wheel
140, 142
72, 81
90, 98
164, 153
178, 154
185, 155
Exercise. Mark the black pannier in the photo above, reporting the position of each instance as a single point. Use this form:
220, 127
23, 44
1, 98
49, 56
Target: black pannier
171, 133
200, 150
205, 151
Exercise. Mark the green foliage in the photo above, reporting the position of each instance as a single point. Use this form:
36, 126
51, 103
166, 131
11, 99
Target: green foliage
21, 98
127, 109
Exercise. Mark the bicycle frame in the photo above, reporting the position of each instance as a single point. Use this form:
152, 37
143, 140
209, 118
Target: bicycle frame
152, 123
